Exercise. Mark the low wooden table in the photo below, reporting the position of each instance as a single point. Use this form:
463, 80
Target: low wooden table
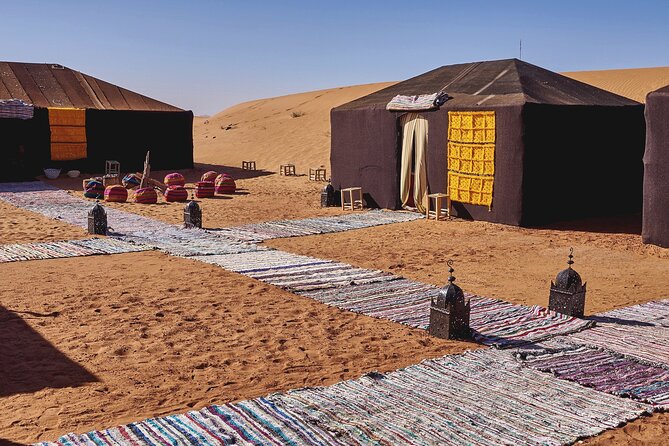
287, 169
249, 165
438, 198
317, 174
353, 203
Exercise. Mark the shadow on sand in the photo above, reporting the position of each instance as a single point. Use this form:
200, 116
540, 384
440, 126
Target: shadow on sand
29, 362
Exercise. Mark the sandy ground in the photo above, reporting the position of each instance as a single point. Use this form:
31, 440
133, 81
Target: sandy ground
634, 83
162, 318
105, 340
20, 226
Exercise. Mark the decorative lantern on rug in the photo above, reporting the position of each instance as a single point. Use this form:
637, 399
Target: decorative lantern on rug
94, 189
209, 176
131, 181
568, 292
225, 184
97, 220
174, 179
204, 189
449, 314
328, 196
116, 194
146, 195
192, 215
176, 193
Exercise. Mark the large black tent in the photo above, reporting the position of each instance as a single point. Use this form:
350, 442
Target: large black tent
655, 228
79, 121
555, 148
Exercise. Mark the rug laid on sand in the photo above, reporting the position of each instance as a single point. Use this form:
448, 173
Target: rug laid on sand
384, 295
258, 232
649, 313
604, 371
58, 204
67, 248
483, 397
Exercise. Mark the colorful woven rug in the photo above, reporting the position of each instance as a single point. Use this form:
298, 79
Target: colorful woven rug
604, 371
483, 397
649, 313
58, 204
258, 232
70, 248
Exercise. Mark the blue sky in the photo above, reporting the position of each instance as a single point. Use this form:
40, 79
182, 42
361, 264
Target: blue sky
206, 55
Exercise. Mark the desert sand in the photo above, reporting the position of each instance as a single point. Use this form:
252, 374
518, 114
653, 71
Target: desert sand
293, 129
633, 83
119, 338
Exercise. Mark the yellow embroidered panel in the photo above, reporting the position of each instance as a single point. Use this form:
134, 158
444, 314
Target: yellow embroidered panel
68, 134
478, 127
471, 157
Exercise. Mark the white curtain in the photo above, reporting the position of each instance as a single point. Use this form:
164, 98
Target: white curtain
414, 143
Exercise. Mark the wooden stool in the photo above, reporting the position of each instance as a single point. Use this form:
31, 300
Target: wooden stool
317, 174
112, 167
111, 180
437, 212
287, 169
352, 204
249, 165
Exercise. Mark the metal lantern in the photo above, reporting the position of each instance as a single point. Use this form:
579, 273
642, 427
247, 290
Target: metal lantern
328, 196
192, 215
567, 294
97, 220
449, 314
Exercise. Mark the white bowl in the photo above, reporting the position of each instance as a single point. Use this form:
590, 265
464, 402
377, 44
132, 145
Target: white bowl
52, 174
73, 173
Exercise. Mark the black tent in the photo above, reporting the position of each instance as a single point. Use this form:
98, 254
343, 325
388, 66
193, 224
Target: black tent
655, 228
80, 121
562, 149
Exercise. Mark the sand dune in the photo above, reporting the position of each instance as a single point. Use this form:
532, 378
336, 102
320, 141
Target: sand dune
287, 129
633, 83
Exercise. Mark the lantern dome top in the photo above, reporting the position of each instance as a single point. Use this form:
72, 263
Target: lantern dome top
569, 279
451, 293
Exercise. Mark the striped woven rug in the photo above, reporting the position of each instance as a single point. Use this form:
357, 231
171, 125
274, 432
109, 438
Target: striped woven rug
258, 232
58, 204
68, 248
483, 397
649, 313
604, 371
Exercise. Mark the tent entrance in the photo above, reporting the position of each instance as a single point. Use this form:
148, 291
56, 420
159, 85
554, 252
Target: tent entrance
413, 169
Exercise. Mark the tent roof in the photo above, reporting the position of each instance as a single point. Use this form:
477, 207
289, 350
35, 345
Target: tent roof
53, 85
497, 82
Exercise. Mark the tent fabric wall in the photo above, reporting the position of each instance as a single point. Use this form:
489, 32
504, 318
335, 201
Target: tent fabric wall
125, 136
655, 226
33, 135
365, 153
581, 161
507, 195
